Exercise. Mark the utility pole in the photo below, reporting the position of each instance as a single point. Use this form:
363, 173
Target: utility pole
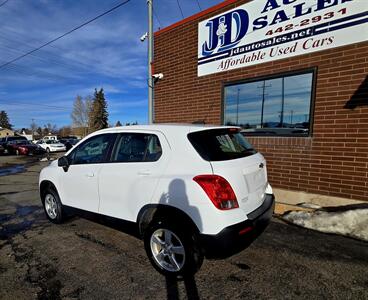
237, 108
282, 103
32, 130
150, 61
263, 87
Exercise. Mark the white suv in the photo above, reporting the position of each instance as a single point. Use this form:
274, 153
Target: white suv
192, 191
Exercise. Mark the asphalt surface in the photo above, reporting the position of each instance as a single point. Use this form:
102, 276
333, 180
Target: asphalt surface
84, 259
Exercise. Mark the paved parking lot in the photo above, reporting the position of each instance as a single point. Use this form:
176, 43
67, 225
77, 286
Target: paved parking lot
84, 259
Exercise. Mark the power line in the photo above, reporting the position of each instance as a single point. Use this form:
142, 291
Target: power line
35, 73
65, 34
47, 55
43, 58
181, 11
156, 16
199, 6
4, 3
11, 102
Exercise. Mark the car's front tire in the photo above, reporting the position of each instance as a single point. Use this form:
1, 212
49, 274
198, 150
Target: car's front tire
172, 251
52, 206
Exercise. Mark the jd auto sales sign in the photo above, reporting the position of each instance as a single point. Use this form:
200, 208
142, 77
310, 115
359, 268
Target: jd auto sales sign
266, 30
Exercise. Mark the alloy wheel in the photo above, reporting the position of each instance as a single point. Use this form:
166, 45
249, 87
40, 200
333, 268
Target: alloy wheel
168, 250
51, 206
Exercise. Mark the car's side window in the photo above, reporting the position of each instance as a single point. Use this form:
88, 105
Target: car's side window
137, 147
92, 151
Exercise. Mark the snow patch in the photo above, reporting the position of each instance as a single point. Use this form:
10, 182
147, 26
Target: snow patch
353, 223
309, 205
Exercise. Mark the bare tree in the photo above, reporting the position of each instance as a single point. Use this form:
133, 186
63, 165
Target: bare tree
33, 128
81, 112
49, 129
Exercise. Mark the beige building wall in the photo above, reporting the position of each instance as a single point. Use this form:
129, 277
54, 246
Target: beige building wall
6, 132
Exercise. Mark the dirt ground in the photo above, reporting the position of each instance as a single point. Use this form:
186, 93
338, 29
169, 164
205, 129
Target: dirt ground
84, 259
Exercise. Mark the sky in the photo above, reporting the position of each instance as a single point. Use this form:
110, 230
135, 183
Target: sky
105, 54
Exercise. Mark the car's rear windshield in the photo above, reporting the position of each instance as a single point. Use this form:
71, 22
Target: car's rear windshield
221, 144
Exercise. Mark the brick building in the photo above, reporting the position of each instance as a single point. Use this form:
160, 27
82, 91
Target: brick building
303, 103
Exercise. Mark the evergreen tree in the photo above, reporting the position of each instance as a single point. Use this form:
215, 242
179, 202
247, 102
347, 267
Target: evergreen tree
118, 124
99, 117
4, 120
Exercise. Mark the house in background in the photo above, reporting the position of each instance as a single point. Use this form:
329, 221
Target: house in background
4, 132
28, 134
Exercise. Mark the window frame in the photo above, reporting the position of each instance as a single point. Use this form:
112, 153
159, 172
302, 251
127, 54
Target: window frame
107, 156
115, 148
312, 70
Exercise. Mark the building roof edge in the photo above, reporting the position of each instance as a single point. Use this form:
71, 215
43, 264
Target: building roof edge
195, 16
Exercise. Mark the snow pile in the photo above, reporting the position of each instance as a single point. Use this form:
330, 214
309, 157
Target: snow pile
353, 223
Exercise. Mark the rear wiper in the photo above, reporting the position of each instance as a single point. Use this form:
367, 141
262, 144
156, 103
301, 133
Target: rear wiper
248, 150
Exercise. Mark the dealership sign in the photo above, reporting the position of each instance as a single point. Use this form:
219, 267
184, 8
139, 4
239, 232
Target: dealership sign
267, 30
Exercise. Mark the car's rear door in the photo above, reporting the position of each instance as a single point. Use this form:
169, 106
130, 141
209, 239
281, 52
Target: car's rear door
128, 182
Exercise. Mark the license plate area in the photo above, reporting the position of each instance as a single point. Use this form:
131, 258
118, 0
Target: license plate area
255, 180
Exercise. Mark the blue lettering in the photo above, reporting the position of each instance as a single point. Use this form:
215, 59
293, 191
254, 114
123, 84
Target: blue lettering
299, 10
222, 34
322, 4
260, 23
280, 16
270, 4
211, 45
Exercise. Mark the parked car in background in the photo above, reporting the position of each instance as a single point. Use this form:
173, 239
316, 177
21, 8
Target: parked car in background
69, 143
21, 147
9, 139
191, 191
50, 137
51, 145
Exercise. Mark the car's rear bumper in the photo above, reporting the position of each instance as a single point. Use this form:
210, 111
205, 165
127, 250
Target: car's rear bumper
36, 152
237, 237
57, 149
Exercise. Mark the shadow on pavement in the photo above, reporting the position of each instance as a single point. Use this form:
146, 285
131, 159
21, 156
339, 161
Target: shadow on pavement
190, 285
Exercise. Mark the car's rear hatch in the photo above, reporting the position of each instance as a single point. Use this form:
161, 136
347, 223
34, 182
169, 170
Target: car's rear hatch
232, 157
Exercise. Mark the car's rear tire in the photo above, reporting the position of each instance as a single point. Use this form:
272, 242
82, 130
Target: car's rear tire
172, 251
52, 206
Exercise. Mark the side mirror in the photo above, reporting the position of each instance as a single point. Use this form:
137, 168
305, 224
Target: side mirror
64, 163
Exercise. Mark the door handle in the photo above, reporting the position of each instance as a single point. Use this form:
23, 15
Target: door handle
144, 172
90, 175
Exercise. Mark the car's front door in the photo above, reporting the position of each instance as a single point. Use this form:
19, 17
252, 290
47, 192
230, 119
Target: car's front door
80, 182
131, 177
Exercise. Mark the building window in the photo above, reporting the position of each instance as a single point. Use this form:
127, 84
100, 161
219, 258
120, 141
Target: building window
271, 106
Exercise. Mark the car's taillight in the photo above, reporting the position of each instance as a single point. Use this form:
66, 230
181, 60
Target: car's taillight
218, 190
